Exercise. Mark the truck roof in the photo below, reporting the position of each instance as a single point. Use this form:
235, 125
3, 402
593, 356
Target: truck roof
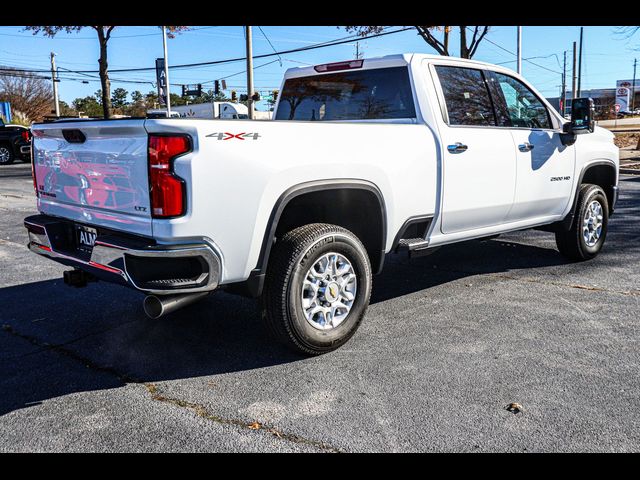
392, 61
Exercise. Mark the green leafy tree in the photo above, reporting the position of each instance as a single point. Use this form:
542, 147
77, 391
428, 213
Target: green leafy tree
138, 106
104, 34
66, 110
177, 100
208, 97
137, 96
470, 37
119, 99
88, 106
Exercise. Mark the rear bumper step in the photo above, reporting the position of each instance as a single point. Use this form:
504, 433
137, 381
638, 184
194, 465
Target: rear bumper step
133, 261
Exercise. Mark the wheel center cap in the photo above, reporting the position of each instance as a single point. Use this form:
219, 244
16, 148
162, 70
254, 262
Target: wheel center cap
331, 292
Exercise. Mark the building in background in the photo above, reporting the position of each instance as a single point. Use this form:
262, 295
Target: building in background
605, 99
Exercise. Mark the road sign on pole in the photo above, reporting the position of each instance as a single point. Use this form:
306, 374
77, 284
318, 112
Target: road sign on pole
162, 81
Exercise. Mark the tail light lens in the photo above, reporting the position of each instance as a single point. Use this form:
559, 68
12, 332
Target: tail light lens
167, 190
25, 135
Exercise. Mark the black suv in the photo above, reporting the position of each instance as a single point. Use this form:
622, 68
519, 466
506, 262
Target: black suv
15, 142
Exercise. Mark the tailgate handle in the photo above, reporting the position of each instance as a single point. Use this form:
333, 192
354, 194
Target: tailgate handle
73, 135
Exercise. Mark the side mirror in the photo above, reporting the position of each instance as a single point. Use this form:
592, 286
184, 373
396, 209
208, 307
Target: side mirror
582, 116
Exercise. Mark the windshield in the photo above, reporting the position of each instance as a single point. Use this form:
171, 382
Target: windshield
383, 93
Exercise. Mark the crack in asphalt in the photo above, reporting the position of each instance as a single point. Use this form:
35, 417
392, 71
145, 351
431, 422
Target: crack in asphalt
199, 409
202, 411
630, 293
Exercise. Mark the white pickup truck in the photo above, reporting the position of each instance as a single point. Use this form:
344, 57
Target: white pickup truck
363, 158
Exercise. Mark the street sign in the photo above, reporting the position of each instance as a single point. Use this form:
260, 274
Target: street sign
162, 81
617, 105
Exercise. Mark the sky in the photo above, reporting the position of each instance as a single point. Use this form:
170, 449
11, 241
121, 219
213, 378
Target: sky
607, 55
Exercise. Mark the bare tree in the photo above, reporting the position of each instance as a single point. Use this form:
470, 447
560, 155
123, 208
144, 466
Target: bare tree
104, 34
470, 37
27, 93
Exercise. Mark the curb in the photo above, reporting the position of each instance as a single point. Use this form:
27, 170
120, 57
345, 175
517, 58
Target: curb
629, 171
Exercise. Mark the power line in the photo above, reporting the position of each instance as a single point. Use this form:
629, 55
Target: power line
267, 39
509, 51
238, 59
35, 35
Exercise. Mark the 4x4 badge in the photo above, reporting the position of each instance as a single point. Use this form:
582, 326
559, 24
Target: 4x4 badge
229, 136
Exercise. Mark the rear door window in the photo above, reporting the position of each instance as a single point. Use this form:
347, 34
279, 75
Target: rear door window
382, 93
466, 96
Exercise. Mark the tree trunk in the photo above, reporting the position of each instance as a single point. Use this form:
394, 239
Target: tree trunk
104, 72
464, 50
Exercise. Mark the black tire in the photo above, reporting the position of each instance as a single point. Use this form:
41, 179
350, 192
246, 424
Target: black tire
571, 243
6, 154
291, 258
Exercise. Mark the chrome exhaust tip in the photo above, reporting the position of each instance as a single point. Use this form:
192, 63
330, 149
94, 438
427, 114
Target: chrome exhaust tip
156, 306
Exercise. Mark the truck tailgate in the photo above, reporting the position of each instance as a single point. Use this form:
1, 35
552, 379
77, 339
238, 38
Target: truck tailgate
94, 172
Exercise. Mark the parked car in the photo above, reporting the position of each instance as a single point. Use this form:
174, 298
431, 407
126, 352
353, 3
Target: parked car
15, 143
403, 153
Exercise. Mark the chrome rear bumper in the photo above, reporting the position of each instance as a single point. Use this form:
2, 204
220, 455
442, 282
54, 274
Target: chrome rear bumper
136, 262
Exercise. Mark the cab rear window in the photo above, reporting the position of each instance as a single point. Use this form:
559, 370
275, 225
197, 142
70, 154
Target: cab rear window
383, 93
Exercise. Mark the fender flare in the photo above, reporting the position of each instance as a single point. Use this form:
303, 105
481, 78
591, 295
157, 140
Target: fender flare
567, 222
255, 282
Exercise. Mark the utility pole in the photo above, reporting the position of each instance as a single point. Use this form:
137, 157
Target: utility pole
249, 72
564, 83
357, 50
166, 70
633, 86
54, 80
519, 51
580, 62
575, 73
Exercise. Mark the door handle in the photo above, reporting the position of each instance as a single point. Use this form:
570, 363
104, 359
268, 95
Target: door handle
525, 147
457, 148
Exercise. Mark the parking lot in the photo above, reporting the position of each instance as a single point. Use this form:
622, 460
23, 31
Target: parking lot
449, 341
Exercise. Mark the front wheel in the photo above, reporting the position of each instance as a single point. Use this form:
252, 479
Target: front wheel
317, 288
587, 234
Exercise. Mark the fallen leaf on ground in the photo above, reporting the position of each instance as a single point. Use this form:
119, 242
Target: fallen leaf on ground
515, 407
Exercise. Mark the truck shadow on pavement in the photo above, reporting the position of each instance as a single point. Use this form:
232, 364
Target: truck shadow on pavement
57, 340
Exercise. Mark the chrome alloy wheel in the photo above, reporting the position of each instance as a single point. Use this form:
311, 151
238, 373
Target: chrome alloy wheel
5, 154
328, 291
592, 223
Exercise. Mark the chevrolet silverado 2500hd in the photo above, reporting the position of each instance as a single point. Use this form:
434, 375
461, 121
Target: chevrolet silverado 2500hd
363, 158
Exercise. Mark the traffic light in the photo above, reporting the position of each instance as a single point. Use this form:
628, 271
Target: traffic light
234, 96
216, 87
184, 91
199, 89
255, 97
275, 95
244, 97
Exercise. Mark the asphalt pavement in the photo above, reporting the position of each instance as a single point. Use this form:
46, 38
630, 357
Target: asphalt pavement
449, 341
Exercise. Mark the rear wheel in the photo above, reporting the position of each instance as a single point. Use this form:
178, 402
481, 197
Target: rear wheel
6, 155
587, 234
317, 288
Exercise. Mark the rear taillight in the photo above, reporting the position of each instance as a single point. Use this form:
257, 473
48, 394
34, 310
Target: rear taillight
25, 135
167, 190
